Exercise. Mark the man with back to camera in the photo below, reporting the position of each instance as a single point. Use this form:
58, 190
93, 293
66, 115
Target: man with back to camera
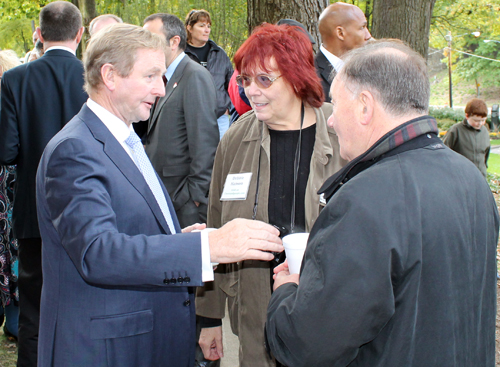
182, 134
38, 98
343, 27
400, 267
118, 271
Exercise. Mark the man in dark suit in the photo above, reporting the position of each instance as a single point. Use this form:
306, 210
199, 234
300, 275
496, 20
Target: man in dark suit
38, 98
343, 27
118, 271
182, 133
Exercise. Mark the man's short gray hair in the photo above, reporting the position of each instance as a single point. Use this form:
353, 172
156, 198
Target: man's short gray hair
117, 45
394, 73
102, 17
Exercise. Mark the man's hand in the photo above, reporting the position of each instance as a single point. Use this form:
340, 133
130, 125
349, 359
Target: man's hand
282, 275
244, 239
211, 343
194, 228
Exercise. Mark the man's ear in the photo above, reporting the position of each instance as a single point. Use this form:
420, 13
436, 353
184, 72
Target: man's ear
108, 75
39, 32
340, 32
79, 35
174, 42
366, 107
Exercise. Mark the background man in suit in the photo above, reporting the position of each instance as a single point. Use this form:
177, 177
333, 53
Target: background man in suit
400, 266
37, 100
182, 132
343, 27
118, 271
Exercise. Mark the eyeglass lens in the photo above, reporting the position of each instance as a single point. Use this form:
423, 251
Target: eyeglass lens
263, 81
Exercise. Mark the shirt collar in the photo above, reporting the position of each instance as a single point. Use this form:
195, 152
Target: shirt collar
171, 68
60, 48
334, 60
115, 125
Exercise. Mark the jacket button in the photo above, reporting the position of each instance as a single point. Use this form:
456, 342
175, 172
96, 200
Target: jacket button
187, 279
166, 281
187, 302
173, 280
180, 280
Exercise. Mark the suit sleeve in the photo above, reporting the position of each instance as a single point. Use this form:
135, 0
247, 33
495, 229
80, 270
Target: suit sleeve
202, 133
9, 133
75, 200
211, 299
345, 295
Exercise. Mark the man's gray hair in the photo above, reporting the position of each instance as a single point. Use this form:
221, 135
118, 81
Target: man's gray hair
102, 17
394, 73
117, 45
172, 26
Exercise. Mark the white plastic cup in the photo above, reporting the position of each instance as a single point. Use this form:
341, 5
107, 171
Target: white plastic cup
295, 246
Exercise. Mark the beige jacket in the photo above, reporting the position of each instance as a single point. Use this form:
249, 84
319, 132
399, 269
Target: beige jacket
249, 290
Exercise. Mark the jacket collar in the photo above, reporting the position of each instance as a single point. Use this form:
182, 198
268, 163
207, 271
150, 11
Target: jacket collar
323, 147
394, 142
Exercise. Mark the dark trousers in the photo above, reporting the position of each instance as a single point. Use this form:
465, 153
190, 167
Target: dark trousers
30, 290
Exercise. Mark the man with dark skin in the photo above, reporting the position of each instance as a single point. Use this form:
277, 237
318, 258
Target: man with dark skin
343, 27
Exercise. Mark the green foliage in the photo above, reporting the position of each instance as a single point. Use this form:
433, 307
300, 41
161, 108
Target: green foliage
16, 35
451, 114
462, 18
229, 26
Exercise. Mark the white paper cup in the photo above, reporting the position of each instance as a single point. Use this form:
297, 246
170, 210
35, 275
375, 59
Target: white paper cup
295, 246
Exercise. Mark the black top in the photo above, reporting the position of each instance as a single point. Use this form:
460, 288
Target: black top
283, 147
201, 53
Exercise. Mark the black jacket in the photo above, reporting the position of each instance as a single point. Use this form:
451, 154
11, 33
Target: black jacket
219, 65
400, 267
324, 70
38, 99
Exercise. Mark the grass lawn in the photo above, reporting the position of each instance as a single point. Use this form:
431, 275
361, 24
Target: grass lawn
494, 164
495, 142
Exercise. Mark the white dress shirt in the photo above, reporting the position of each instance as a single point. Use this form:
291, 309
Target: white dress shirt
334, 60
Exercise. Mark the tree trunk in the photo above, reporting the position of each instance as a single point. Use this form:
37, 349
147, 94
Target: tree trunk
408, 20
88, 10
304, 11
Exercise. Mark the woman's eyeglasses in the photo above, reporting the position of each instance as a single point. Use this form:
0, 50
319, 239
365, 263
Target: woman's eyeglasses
262, 80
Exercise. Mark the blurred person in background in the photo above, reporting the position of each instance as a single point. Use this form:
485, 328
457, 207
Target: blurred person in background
9, 296
206, 52
102, 21
343, 27
38, 99
37, 51
470, 137
287, 149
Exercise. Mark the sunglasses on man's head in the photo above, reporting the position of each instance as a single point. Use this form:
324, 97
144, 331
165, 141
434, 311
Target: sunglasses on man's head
262, 80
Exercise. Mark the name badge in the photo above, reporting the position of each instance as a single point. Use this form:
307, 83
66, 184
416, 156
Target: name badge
236, 186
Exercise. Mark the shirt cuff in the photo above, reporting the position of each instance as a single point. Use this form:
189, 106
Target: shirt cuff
207, 270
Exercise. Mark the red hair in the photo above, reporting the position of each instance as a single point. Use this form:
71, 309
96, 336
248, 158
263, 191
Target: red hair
292, 50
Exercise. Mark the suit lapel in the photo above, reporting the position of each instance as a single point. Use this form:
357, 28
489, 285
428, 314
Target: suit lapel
169, 89
325, 66
121, 159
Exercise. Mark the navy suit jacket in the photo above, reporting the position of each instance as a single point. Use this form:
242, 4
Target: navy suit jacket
38, 98
117, 286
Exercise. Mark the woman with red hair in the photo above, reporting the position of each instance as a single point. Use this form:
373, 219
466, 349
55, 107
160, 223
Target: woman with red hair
282, 152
